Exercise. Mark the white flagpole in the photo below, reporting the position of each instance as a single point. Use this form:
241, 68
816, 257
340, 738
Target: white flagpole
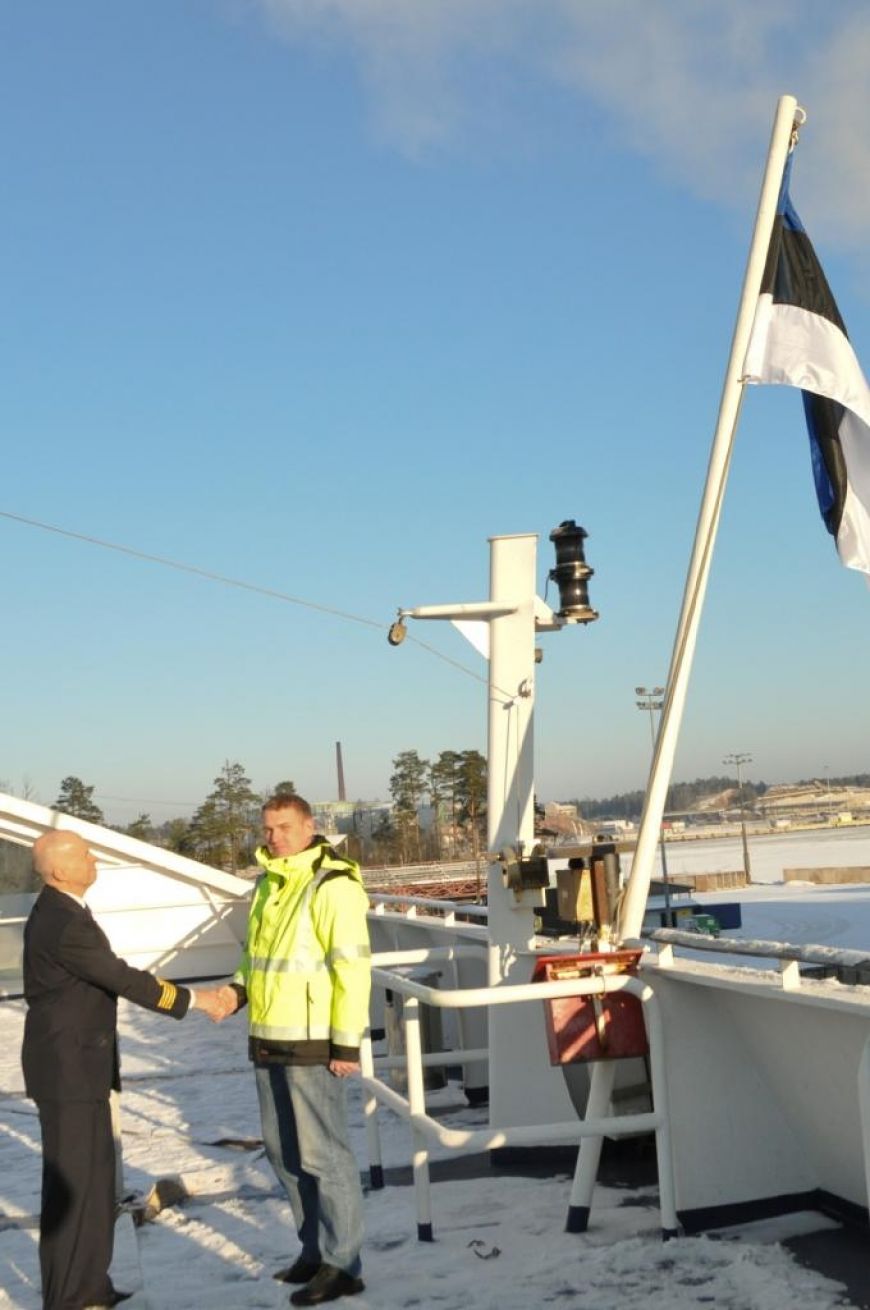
631, 918
788, 117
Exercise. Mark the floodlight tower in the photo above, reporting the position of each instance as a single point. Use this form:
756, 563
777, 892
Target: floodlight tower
738, 759
653, 701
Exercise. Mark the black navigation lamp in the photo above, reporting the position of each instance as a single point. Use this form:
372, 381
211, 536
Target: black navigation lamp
572, 573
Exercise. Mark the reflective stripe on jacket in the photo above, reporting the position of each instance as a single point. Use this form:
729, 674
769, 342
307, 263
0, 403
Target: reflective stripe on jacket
306, 963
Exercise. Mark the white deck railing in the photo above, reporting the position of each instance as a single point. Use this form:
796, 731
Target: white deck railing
788, 956
424, 1128
446, 911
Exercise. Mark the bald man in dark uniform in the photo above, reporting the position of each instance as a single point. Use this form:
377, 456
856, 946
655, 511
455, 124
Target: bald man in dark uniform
72, 980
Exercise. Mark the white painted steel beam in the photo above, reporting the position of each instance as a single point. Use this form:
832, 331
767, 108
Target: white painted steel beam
23, 821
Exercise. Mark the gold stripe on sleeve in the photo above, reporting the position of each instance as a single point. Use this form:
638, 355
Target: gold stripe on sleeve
168, 994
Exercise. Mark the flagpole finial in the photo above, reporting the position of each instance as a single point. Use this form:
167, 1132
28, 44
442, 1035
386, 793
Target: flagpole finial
800, 117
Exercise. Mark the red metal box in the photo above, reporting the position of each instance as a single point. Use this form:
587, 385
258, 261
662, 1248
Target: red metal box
592, 1027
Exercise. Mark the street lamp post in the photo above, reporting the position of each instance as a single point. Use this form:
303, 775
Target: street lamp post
652, 701
738, 759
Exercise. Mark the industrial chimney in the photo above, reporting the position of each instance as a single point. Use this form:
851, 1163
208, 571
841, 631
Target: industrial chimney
340, 767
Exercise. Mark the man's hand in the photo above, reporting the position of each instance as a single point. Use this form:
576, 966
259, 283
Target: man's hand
217, 1002
229, 999
343, 1068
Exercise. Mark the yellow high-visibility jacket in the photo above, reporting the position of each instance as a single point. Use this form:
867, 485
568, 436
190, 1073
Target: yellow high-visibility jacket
306, 968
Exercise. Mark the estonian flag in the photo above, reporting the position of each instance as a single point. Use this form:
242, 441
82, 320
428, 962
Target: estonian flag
798, 338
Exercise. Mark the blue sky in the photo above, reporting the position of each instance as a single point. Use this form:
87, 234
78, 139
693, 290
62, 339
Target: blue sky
321, 294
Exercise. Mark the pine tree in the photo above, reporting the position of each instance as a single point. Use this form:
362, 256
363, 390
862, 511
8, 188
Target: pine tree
75, 798
471, 794
141, 827
223, 826
443, 790
408, 785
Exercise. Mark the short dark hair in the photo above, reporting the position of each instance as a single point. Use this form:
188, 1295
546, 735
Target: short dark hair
283, 801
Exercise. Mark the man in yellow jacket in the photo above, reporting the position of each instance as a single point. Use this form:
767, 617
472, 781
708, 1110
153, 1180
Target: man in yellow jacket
305, 976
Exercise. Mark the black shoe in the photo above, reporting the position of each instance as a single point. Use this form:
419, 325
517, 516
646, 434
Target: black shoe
301, 1271
115, 1299
328, 1284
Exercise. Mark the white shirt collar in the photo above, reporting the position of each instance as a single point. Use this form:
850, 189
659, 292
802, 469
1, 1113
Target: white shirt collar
81, 900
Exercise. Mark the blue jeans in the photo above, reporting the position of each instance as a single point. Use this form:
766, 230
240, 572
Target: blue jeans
305, 1135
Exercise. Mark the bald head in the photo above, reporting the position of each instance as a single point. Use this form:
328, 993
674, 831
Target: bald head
63, 860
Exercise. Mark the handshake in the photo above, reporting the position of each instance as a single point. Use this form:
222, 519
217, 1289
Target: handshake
217, 1002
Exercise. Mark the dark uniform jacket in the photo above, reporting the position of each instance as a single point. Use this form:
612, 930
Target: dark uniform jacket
72, 979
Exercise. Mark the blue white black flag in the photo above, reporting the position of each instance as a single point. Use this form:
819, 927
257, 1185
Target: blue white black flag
798, 338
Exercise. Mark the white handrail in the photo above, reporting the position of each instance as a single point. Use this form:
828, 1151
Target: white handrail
423, 1127
506, 993
806, 954
427, 953
381, 900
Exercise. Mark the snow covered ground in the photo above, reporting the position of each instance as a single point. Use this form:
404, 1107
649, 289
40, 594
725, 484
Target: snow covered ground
769, 853
795, 912
189, 1109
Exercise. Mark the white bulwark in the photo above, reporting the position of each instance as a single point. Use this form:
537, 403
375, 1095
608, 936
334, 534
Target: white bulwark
160, 911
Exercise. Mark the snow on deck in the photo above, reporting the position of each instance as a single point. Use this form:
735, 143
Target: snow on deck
499, 1239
